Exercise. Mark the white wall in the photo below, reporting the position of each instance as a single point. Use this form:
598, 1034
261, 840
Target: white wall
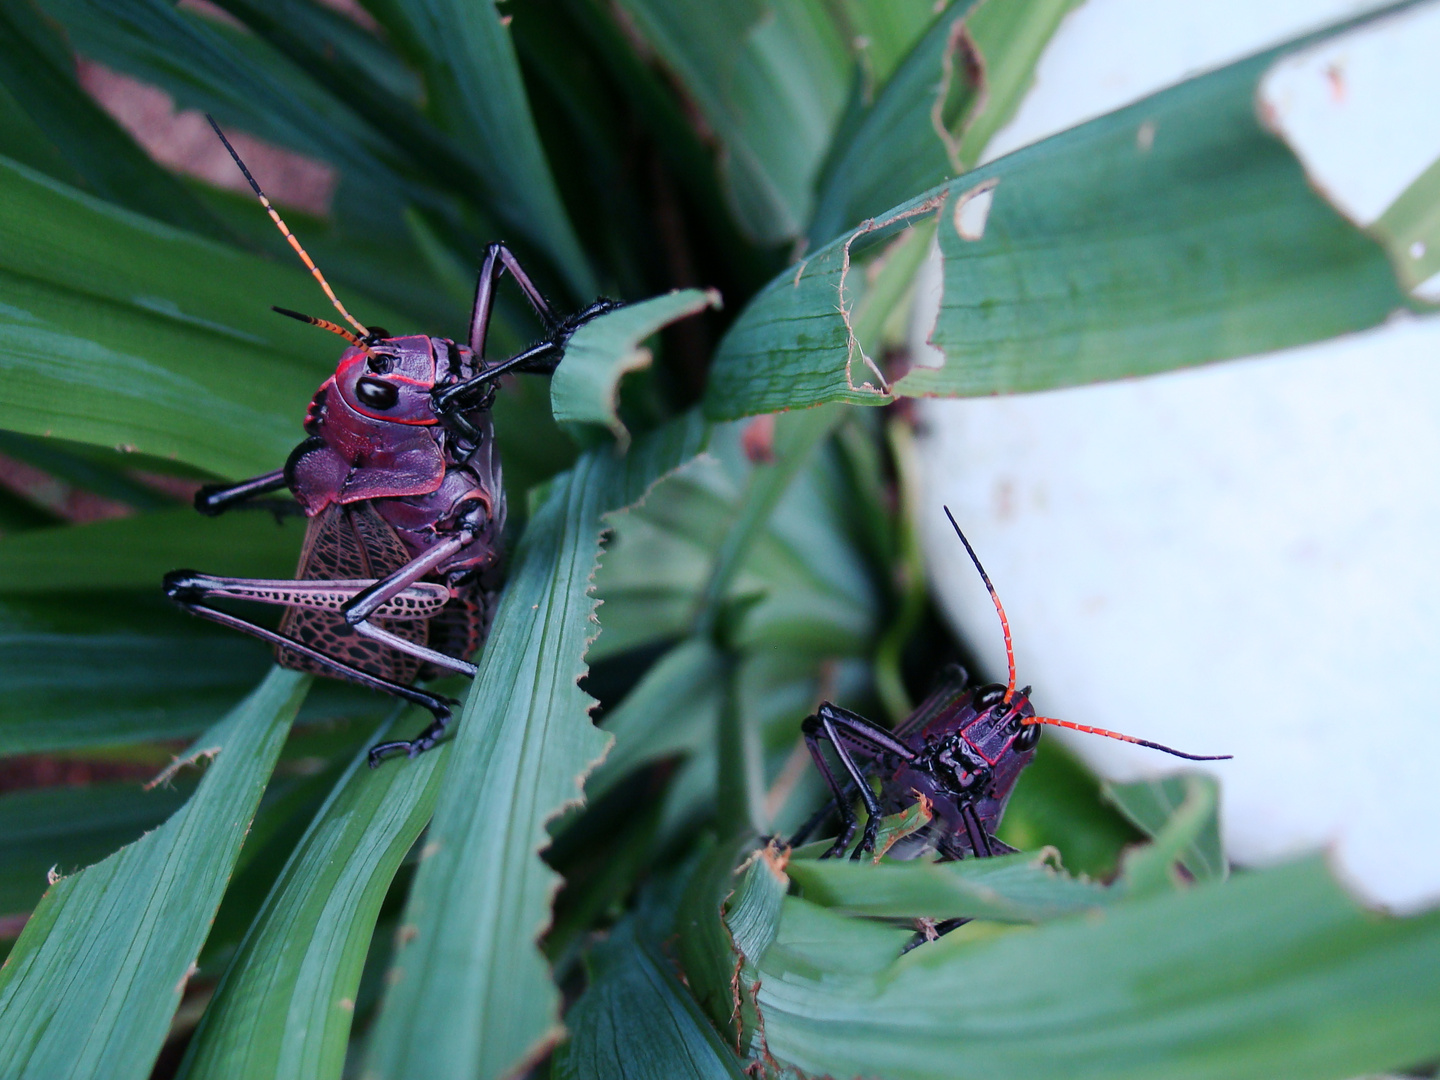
1239, 558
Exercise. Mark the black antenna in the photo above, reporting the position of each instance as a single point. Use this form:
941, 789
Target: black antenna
285, 231
1004, 622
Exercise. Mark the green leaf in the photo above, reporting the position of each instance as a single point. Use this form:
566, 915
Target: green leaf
932, 119
673, 710
209, 65
1181, 814
637, 1021
1274, 972
895, 148
471, 993
770, 80
1410, 229
1057, 803
136, 552
101, 472
1007, 888
215, 67
752, 918
38, 69
22, 140
1176, 231
791, 578
476, 96
585, 388
66, 828
118, 683
284, 1006
120, 331
105, 669
1009, 39
703, 945
91, 985
883, 35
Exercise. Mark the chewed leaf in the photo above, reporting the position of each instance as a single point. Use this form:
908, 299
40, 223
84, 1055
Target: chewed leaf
285, 1004
1275, 966
585, 388
1007, 888
1176, 231
93, 982
470, 993
1364, 96
931, 119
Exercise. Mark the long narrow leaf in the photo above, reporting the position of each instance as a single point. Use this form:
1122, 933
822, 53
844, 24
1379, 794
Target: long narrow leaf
284, 1006
106, 669
92, 983
37, 68
1176, 231
121, 331
1013, 888
478, 98
135, 552
637, 1021
1273, 973
471, 995
67, 828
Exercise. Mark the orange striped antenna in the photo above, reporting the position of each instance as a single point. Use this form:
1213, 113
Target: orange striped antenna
1004, 622
323, 324
289, 236
1123, 738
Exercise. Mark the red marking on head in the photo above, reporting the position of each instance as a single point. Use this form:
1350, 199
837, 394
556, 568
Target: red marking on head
411, 370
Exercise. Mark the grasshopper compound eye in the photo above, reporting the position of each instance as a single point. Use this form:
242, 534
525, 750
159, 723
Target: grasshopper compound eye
988, 696
1027, 740
377, 393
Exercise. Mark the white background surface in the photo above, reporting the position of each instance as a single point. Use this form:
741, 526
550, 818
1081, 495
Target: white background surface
1239, 558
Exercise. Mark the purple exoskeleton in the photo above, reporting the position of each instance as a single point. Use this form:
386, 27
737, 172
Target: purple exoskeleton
962, 750
400, 480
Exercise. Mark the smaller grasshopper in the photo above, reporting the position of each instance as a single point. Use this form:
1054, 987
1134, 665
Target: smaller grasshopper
962, 749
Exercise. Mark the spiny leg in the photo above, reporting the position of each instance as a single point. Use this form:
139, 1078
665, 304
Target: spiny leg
865, 732
439, 707
977, 830
420, 600
188, 589
811, 731
498, 259
842, 723
867, 796
359, 610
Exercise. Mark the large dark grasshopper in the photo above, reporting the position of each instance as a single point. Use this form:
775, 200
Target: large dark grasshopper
963, 749
400, 480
